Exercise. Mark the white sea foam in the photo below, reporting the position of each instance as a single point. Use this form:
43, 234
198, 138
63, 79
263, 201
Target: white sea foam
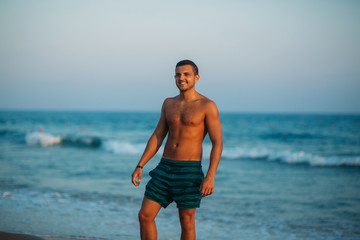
287, 156
301, 157
291, 157
253, 153
122, 147
42, 139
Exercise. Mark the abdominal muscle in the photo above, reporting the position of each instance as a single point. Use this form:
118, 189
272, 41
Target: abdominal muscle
183, 149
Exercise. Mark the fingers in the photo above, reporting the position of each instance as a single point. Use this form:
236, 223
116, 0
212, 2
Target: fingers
206, 191
133, 179
207, 187
136, 175
136, 183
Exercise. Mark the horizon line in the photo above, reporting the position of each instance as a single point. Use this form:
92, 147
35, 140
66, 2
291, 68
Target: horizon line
155, 111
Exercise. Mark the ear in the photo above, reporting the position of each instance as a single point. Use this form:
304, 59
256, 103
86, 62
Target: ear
197, 77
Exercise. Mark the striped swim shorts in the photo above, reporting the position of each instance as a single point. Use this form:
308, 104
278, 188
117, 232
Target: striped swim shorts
177, 181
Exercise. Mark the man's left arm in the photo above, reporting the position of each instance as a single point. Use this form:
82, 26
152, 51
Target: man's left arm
213, 125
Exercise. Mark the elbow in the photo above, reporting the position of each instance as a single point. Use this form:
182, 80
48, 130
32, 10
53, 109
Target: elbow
218, 144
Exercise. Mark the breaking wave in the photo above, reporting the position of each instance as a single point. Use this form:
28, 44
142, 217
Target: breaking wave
128, 148
46, 140
292, 157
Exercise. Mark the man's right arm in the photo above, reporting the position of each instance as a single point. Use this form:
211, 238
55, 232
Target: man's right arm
152, 145
213, 125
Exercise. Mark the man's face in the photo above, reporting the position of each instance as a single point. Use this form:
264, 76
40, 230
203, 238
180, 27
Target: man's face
185, 77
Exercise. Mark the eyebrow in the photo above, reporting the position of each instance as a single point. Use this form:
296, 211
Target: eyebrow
184, 73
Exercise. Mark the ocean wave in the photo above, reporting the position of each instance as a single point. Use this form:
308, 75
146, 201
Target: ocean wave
42, 139
123, 147
7, 132
289, 135
12, 135
128, 148
82, 141
290, 157
46, 140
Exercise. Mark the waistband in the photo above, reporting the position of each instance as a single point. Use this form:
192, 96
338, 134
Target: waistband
180, 163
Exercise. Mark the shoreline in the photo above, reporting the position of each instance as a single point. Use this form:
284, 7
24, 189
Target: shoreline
22, 236
18, 236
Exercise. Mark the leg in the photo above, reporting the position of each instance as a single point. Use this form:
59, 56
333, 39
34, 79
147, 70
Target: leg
147, 214
187, 221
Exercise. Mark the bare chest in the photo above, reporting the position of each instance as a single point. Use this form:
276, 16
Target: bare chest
185, 115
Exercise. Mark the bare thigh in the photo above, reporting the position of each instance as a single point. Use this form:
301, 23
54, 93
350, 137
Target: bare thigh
149, 208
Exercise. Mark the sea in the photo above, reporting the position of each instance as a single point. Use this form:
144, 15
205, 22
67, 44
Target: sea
67, 175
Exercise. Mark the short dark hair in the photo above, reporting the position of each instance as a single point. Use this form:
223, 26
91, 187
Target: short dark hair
188, 62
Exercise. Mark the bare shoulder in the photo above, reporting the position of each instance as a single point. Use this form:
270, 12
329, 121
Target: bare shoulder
168, 100
209, 105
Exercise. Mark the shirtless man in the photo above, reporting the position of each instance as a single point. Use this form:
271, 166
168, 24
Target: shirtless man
186, 118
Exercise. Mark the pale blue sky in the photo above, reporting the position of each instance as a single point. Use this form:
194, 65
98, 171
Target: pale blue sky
253, 56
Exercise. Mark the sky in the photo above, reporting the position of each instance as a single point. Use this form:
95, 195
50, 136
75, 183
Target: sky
253, 56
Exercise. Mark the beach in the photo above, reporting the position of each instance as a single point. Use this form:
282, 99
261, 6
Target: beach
19, 236
66, 175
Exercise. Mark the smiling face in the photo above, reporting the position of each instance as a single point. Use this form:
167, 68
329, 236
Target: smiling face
185, 78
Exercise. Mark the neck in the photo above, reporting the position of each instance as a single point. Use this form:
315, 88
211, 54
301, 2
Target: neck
188, 95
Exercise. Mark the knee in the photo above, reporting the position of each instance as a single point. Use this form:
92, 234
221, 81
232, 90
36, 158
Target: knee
187, 222
144, 218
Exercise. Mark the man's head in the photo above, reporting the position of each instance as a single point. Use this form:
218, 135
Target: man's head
188, 62
186, 75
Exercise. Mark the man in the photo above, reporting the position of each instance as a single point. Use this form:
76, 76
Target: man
186, 118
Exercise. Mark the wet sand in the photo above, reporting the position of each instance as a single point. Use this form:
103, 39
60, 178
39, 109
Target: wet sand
18, 236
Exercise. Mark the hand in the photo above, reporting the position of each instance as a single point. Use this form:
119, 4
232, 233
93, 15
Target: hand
207, 186
136, 174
